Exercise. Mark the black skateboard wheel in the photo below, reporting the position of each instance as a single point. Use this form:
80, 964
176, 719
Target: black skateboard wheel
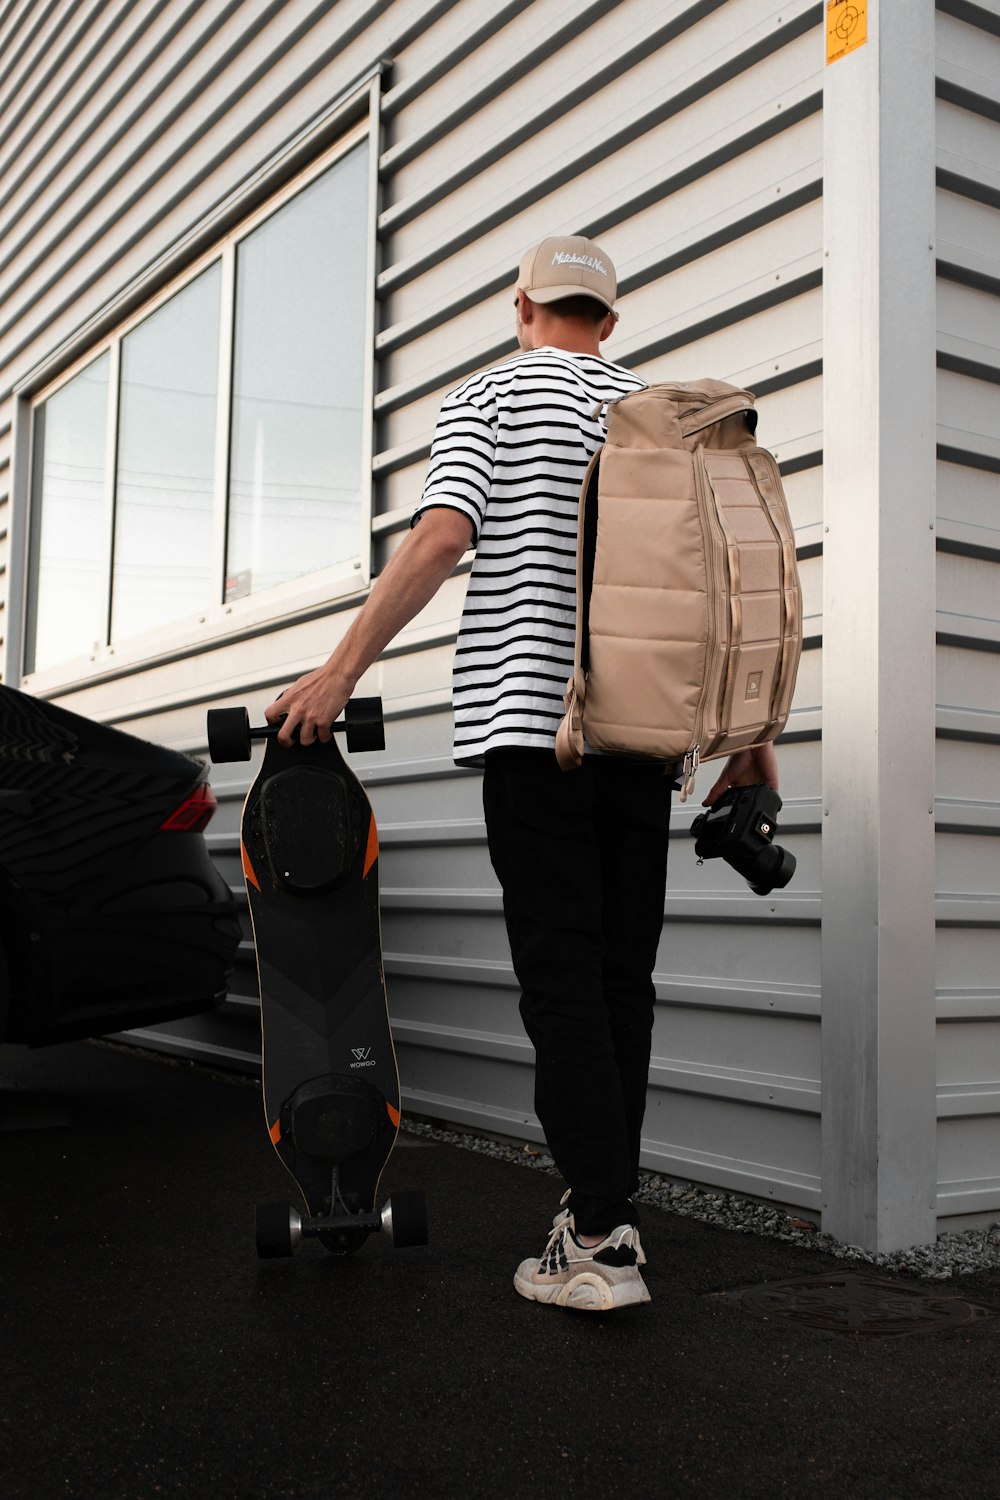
277, 1230
407, 1219
228, 734
365, 724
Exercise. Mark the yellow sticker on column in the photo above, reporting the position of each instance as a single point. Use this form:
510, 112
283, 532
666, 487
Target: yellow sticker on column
846, 27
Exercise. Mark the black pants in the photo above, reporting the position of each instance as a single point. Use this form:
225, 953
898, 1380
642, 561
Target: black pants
582, 859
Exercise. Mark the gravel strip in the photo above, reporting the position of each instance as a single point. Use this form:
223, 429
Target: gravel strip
952, 1255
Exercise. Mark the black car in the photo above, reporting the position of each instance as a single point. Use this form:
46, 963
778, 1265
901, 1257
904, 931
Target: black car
112, 915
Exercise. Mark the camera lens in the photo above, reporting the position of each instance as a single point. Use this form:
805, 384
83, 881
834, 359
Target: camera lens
773, 869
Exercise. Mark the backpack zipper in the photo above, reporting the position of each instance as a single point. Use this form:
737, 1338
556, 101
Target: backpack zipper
602, 406
715, 563
689, 770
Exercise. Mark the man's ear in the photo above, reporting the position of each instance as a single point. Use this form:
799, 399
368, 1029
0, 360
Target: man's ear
527, 308
608, 327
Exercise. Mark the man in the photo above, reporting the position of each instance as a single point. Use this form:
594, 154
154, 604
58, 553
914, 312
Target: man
580, 856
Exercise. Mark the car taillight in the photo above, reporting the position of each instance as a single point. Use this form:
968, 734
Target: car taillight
194, 812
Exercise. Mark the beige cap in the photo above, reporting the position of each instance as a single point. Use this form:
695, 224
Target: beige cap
568, 266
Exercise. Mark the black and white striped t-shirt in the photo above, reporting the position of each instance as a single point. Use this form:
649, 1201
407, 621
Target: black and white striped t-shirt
510, 451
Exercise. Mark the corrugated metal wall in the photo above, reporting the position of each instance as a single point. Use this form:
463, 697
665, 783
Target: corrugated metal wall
968, 603
687, 138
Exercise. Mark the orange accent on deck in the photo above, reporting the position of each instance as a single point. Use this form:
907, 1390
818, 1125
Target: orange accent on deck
248, 867
393, 1114
275, 1132
371, 853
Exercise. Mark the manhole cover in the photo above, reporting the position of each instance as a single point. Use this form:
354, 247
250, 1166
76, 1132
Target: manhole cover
852, 1302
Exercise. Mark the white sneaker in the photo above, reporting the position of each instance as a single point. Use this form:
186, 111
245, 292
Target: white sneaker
595, 1278
565, 1214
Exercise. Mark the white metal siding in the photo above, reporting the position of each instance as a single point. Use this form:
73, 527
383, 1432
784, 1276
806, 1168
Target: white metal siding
693, 151
968, 611
686, 136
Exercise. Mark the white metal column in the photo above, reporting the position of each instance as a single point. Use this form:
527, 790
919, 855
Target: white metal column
879, 1109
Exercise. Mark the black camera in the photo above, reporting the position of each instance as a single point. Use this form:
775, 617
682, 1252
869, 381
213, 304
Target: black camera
741, 828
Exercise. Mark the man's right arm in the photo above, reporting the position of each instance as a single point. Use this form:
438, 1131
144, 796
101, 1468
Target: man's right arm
412, 577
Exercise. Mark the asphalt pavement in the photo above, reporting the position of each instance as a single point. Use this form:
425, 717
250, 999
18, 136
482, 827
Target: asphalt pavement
148, 1355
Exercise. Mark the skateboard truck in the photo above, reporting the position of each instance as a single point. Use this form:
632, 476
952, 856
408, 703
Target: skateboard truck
328, 1122
230, 733
279, 1228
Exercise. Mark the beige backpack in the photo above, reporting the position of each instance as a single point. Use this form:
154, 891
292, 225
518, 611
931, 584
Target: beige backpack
689, 611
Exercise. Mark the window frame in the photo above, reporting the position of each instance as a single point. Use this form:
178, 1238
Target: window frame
302, 597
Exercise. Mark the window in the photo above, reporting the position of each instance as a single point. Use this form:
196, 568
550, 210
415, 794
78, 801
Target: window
298, 376
216, 450
69, 478
168, 399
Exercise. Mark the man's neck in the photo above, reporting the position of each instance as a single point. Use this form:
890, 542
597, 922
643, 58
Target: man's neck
568, 346
561, 333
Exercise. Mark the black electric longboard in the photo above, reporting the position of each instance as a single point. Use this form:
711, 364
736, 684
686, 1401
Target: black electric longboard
309, 848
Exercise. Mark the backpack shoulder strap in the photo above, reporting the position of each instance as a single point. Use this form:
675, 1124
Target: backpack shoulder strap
569, 735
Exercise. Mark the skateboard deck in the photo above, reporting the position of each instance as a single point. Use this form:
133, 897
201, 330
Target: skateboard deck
309, 851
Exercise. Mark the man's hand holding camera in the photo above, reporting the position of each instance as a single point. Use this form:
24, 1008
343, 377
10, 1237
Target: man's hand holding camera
743, 819
753, 767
